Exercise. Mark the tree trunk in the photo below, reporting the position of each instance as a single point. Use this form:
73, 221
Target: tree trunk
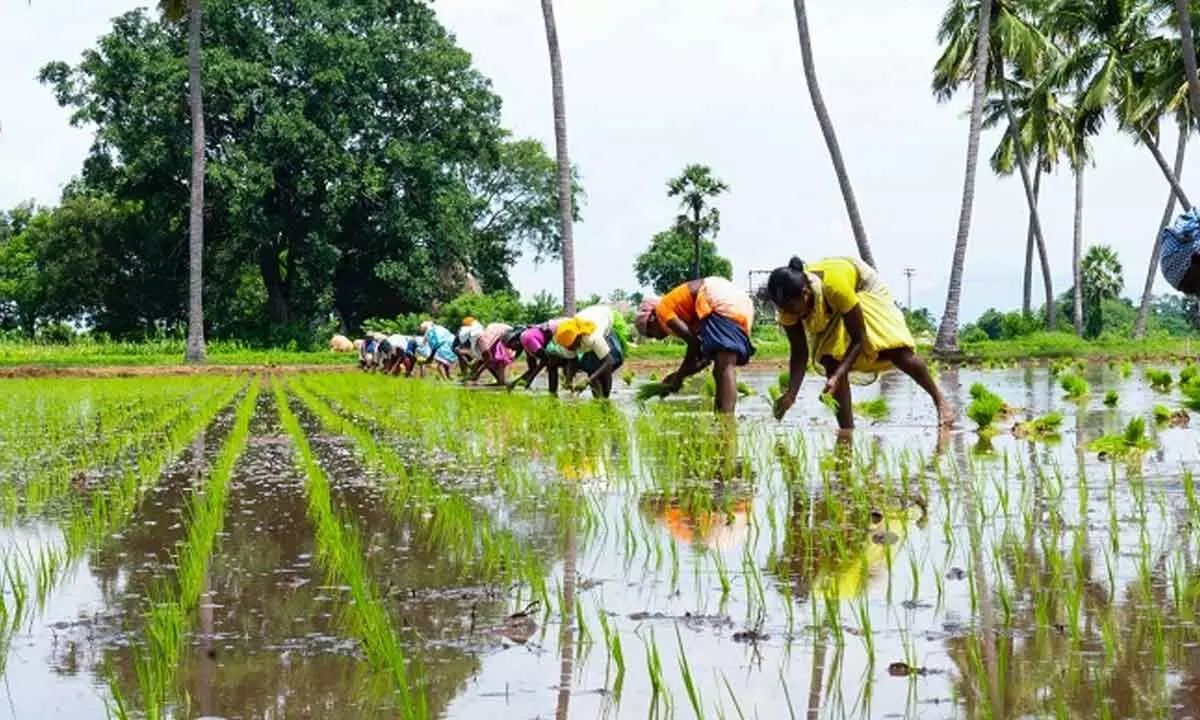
947, 338
1183, 11
1035, 220
566, 211
1172, 178
1027, 288
835, 152
195, 342
566, 637
1139, 325
1077, 251
696, 243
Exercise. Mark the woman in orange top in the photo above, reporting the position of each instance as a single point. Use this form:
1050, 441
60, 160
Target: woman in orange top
713, 316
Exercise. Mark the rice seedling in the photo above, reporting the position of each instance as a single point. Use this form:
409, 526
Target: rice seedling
628, 377
1160, 380
876, 410
1126, 369
1111, 399
1161, 414
1044, 428
650, 390
339, 552
744, 390
984, 408
1075, 387
1129, 444
689, 683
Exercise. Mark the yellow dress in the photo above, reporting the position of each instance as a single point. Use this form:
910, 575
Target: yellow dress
845, 283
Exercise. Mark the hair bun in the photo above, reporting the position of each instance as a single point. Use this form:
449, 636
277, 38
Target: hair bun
796, 264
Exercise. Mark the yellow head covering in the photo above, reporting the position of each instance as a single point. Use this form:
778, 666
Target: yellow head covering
469, 320
569, 331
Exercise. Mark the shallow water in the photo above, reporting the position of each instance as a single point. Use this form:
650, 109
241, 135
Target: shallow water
1028, 579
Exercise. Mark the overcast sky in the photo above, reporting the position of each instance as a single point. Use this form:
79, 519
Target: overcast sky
653, 86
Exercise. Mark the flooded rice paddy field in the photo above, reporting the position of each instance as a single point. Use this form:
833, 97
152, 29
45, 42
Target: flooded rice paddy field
346, 545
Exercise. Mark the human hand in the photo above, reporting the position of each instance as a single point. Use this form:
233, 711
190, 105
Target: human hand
783, 404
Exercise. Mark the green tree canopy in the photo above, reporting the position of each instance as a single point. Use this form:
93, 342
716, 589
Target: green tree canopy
356, 165
668, 261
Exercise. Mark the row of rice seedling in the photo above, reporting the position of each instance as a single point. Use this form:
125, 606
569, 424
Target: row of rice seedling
339, 552
90, 522
64, 476
171, 605
464, 532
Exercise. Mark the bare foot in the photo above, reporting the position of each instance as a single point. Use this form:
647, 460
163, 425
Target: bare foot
946, 417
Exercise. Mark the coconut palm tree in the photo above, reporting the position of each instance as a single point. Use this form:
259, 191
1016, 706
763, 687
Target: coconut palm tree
831, 143
947, 338
1102, 280
1183, 16
176, 11
695, 187
566, 211
1113, 50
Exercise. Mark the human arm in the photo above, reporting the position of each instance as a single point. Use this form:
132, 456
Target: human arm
535, 368
797, 366
856, 328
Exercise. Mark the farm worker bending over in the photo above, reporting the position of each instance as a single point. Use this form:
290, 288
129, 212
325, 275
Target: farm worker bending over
494, 355
436, 346
837, 312
393, 354
543, 353
713, 316
592, 335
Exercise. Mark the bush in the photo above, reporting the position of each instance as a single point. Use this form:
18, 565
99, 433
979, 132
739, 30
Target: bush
58, 333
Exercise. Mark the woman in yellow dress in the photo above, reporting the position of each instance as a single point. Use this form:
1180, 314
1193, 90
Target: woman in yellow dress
839, 314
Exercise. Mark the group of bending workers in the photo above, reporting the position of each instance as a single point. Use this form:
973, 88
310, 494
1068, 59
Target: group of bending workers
837, 314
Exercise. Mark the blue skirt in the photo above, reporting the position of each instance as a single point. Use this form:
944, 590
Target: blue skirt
720, 334
589, 363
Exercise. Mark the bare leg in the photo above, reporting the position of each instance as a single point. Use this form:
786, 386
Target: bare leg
907, 362
725, 375
845, 411
552, 378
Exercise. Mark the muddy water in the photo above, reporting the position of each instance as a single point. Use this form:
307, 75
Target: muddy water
962, 588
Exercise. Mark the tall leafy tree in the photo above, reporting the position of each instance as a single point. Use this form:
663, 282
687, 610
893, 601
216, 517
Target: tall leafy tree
947, 338
1183, 16
696, 188
1013, 40
827, 131
355, 164
176, 11
565, 206
669, 261
1102, 280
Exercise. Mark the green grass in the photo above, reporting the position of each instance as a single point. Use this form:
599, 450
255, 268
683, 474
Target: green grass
87, 353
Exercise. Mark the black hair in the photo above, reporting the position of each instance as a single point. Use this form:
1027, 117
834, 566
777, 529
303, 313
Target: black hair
785, 284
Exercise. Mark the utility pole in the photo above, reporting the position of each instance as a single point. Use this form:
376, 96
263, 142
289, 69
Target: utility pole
908, 273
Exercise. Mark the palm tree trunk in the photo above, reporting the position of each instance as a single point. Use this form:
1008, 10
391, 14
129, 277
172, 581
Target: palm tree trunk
947, 339
1183, 12
1035, 220
195, 343
1027, 288
567, 631
1139, 324
1077, 251
835, 151
566, 210
1172, 178
696, 243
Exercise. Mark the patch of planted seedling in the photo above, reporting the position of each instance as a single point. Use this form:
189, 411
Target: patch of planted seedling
650, 557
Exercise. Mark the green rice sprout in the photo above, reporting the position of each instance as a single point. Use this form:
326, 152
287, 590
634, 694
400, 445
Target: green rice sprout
1046, 427
784, 381
829, 401
1130, 444
876, 410
651, 390
1188, 373
744, 390
1111, 398
1075, 387
1162, 414
628, 377
984, 408
1160, 380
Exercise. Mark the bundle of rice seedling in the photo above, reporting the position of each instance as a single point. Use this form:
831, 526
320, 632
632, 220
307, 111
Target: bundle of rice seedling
651, 390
